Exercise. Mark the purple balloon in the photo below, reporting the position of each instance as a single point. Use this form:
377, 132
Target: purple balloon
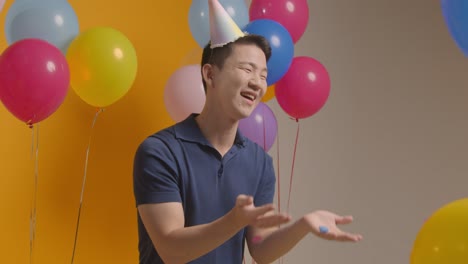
261, 126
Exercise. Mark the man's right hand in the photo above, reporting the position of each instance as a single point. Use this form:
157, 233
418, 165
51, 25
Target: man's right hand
245, 213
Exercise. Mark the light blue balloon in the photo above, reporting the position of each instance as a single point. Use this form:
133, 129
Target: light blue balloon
199, 17
54, 21
456, 17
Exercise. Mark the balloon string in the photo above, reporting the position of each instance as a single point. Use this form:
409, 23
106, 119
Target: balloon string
292, 173
32, 141
280, 260
292, 167
100, 110
32, 215
278, 165
264, 129
277, 153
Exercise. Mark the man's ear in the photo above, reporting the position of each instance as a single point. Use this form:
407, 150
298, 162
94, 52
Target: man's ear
207, 72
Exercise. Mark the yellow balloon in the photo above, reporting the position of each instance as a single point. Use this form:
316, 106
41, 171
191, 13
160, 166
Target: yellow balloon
443, 239
103, 65
270, 93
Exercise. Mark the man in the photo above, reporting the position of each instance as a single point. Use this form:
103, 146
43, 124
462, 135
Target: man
201, 187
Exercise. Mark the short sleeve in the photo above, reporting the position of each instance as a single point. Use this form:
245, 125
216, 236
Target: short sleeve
155, 178
266, 189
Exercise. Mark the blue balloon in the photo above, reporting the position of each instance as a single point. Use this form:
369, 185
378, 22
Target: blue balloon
54, 21
18, 6
282, 46
456, 17
199, 17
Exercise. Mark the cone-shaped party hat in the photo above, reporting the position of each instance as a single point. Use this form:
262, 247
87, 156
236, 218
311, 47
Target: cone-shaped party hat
223, 29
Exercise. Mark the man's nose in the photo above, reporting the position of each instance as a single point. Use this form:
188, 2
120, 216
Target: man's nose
255, 82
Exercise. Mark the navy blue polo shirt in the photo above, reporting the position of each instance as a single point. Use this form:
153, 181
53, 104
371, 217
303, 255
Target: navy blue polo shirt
178, 164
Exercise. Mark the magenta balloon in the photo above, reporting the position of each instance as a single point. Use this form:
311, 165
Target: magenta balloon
34, 79
305, 88
184, 93
292, 14
261, 126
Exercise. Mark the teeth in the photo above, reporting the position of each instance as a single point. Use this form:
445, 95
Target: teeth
251, 97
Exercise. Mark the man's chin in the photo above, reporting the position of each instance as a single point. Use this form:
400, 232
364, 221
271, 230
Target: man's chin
243, 114
245, 111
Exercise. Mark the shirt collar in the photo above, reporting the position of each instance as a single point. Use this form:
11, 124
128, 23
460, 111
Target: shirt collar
189, 130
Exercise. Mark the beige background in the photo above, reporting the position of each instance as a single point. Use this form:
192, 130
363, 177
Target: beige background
390, 145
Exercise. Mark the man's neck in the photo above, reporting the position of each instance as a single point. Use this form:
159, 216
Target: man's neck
218, 130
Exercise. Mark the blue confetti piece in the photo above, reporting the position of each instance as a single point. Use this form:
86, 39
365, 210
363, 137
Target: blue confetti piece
323, 229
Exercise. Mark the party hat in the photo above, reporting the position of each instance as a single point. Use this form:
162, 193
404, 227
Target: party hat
223, 29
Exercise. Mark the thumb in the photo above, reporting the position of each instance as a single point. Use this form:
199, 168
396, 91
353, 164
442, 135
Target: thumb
243, 200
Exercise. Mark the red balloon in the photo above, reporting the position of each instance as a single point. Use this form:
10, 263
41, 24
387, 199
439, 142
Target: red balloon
292, 14
34, 79
305, 88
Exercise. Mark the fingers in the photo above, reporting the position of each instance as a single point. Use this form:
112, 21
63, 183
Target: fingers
342, 220
261, 216
342, 236
261, 210
272, 220
245, 200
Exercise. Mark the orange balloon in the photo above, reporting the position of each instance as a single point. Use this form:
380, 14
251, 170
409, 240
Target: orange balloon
270, 93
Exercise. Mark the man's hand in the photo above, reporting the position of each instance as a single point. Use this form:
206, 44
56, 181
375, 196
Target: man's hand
245, 213
273, 245
324, 224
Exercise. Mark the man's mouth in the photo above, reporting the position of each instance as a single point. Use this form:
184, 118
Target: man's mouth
249, 96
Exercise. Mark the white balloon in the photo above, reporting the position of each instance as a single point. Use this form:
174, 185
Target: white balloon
184, 93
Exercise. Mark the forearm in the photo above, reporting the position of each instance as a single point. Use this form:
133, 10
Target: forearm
279, 242
189, 243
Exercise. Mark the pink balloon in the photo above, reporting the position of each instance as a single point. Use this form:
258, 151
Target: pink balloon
34, 79
305, 88
184, 93
292, 14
